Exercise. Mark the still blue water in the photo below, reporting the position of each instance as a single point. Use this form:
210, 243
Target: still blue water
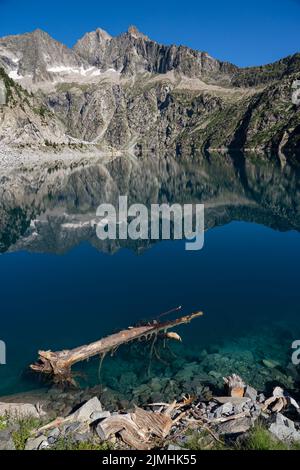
245, 277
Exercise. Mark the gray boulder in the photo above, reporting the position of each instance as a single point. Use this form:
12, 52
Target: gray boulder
251, 393
284, 429
235, 427
53, 436
36, 443
21, 410
174, 447
86, 411
222, 410
6, 440
2, 93
98, 415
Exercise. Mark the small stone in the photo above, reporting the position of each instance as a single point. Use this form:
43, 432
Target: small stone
270, 363
81, 437
233, 400
251, 393
85, 412
20, 409
98, 415
225, 409
261, 398
35, 443
284, 429
44, 445
73, 427
174, 447
53, 436
6, 440
215, 375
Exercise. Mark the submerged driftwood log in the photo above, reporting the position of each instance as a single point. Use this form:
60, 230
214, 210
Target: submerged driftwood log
58, 364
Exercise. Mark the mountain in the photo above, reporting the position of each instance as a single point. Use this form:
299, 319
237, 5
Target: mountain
133, 52
37, 56
131, 93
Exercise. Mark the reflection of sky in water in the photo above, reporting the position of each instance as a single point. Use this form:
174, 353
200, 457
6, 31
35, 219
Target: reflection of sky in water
246, 276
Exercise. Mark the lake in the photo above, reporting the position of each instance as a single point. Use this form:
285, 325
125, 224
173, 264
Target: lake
61, 287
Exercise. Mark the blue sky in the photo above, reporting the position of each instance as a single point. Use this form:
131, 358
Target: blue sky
256, 32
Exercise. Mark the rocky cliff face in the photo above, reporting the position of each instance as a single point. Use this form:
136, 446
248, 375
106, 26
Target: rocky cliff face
131, 93
23, 118
133, 52
36, 56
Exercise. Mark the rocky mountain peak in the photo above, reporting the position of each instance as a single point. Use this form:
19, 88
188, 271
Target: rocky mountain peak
92, 46
102, 34
135, 33
35, 55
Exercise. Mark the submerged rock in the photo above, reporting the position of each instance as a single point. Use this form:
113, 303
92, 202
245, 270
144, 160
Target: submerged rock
270, 363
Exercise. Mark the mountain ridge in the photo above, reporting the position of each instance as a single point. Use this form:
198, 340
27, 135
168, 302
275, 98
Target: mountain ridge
129, 52
129, 92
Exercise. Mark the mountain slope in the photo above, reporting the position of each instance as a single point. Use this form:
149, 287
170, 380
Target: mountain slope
24, 120
131, 93
37, 56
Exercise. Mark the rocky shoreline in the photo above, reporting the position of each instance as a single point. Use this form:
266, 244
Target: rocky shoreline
191, 422
185, 403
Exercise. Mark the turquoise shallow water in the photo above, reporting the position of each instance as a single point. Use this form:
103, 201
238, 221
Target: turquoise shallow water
245, 279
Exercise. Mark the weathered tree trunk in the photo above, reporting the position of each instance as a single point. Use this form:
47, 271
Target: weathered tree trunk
58, 364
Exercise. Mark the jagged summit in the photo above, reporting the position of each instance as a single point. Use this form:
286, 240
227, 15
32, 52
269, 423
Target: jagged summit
36, 56
85, 94
101, 33
134, 32
92, 46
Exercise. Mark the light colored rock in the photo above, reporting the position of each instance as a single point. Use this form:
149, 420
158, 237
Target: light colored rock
222, 410
53, 436
85, 412
36, 443
270, 363
20, 409
6, 441
174, 447
97, 415
235, 427
251, 393
261, 398
2, 93
284, 429
233, 400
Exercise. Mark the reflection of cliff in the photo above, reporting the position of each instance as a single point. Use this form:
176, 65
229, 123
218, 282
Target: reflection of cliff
53, 209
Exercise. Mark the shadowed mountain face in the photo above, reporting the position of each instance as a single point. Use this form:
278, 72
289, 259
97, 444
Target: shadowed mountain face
54, 209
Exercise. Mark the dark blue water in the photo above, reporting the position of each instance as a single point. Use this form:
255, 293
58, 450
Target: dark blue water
245, 278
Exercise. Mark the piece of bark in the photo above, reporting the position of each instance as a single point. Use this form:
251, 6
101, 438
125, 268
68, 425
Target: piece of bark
58, 364
236, 386
123, 425
157, 424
